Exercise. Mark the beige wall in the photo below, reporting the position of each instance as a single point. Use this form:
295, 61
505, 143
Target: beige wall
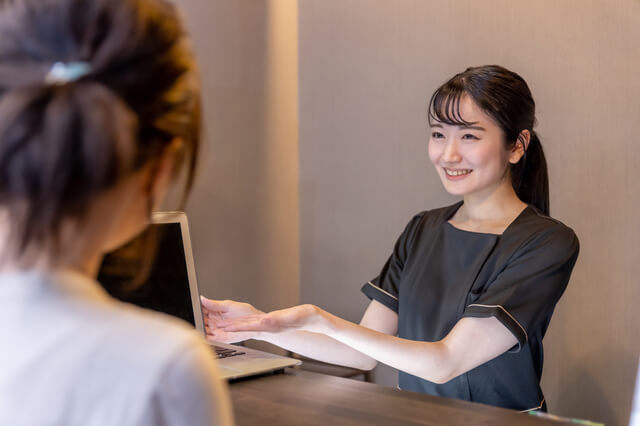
366, 68
244, 207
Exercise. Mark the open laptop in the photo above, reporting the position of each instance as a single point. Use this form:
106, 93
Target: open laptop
170, 286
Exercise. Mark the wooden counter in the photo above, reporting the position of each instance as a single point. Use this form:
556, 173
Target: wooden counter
302, 398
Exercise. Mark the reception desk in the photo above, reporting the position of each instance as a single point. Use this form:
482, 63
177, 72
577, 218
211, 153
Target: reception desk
302, 398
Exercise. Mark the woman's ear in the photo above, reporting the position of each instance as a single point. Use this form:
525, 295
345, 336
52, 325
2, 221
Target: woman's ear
520, 147
164, 170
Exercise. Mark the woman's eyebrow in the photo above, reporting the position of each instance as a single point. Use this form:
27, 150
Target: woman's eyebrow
470, 127
462, 126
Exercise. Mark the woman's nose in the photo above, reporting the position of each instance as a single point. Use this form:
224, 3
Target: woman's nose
451, 153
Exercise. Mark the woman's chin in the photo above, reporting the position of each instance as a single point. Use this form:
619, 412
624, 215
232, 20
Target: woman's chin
455, 188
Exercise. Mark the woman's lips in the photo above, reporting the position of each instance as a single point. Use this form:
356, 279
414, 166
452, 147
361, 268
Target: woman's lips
456, 174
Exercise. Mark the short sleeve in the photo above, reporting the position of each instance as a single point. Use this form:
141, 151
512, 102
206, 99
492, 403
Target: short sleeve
385, 287
190, 392
524, 294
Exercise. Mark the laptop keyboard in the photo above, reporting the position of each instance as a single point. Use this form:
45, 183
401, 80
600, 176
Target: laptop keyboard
225, 353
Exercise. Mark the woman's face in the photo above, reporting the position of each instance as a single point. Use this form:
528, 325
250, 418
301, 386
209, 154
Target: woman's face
469, 159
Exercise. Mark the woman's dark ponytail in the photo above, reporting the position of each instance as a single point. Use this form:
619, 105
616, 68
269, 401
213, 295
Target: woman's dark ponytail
505, 97
66, 139
52, 155
530, 178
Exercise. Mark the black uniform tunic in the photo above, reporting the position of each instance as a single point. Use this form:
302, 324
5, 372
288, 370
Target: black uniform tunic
438, 274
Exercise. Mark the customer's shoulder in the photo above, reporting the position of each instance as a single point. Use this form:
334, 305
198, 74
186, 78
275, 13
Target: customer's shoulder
150, 326
140, 340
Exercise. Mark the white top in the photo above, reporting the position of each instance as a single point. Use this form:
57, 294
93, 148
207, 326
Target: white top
72, 355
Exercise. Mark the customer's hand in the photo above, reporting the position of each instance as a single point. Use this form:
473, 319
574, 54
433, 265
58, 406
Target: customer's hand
215, 311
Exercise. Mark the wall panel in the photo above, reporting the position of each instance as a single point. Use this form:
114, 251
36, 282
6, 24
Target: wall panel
244, 206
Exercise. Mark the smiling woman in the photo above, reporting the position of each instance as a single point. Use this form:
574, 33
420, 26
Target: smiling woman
464, 300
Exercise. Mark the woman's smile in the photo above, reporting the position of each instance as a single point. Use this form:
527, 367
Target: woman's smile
456, 174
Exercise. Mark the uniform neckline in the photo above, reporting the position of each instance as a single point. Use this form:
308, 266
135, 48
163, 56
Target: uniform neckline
457, 206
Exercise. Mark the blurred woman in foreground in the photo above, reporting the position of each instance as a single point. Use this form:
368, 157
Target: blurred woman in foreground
99, 109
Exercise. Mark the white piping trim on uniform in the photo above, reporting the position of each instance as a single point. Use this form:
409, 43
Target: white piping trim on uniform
506, 312
534, 408
378, 288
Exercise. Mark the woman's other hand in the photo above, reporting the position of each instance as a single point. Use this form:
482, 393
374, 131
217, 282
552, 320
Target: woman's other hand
302, 317
215, 311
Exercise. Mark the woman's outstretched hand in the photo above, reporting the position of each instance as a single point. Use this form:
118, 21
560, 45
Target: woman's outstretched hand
216, 311
302, 317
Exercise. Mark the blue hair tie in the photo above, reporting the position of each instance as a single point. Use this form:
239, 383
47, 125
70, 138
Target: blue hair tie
61, 73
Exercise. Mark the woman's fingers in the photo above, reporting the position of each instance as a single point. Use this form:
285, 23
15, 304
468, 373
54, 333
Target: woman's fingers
295, 318
214, 317
256, 323
218, 320
217, 333
218, 306
282, 320
227, 308
220, 335
252, 323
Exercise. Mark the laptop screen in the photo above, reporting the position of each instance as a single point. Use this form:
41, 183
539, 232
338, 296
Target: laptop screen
166, 286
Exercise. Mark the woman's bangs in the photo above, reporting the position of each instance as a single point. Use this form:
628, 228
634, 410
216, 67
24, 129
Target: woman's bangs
445, 106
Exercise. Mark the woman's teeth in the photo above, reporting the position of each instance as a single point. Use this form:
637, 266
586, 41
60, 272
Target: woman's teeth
457, 172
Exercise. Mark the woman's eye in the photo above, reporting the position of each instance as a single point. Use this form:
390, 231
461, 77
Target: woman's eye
469, 136
437, 135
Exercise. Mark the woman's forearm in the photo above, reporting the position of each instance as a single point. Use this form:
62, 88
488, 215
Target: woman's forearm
320, 347
470, 343
313, 332
428, 360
